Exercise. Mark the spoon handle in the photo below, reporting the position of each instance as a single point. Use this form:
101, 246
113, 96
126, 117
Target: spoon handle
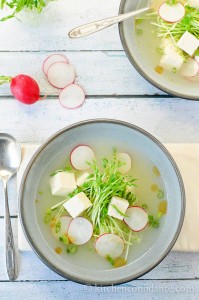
99, 25
11, 264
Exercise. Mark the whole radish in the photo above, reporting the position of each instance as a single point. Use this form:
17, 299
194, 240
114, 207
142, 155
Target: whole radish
24, 88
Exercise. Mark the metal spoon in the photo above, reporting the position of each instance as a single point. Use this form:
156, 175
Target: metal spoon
102, 24
10, 159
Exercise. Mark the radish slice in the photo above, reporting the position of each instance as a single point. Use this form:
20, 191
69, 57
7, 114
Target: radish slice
51, 60
124, 158
61, 74
80, 156
137, 218
72, 96
80, 231
190, 68
109, 244
171, 13
64, 225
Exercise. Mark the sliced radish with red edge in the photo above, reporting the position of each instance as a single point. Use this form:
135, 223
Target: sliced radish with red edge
51, 60
109, 244
64, 225
171, 13
80, 156
189, 68
80, 231
61, 74
126, 159
137, 218
72, 96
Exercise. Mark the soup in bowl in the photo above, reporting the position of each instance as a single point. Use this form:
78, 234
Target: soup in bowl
162, 44
102, 202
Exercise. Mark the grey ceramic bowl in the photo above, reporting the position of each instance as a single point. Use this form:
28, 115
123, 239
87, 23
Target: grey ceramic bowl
145, 61
85, 132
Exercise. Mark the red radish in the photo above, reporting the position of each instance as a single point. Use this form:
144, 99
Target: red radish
137, 218
126, 159
190, 68
109, 244
23, 88
171, 13
61, 74
80, 231
51, 60
80, 156
72, 96
64, 225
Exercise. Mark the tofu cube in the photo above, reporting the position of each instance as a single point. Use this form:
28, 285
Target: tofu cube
194, 3
171, 58
63, 183
188, 43
77, 204
120, 204
81, 178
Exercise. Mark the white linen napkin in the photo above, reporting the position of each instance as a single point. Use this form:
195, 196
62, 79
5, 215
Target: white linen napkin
187, 158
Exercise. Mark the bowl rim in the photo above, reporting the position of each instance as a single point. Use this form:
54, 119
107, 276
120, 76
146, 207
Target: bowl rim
141, 70
37, 153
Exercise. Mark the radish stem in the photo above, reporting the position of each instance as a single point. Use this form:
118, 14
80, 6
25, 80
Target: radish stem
5, 79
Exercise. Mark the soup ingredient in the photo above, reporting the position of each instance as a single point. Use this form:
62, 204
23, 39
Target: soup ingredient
155, 223
61, 74
62, 183
71, 249
190, 68
51, 60
156, 171
126, 162
64, 222
72, 96
82, 177
81, 156
24, 88
159, 69
171, 12
154, 187
80, 231
172, 56
136, 218
58, 250
163, 207
119, 262
118, 207
160, 194
18, 5
77, 204
188, 43
109, 244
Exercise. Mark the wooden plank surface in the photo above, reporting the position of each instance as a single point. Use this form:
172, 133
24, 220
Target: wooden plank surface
170, 119
50, 30
100, 73
163, 289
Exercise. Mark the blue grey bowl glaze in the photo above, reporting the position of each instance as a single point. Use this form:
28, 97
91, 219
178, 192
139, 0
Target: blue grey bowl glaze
124, 133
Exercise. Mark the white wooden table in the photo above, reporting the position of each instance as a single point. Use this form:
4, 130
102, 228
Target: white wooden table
115, 90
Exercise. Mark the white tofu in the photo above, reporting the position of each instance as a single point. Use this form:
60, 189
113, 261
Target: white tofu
188, 43
81, 178
194, 3
77, 204
63, 183
121, 204
171, 58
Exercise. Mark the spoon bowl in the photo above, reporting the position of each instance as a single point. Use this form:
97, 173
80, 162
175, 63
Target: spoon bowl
10, 155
